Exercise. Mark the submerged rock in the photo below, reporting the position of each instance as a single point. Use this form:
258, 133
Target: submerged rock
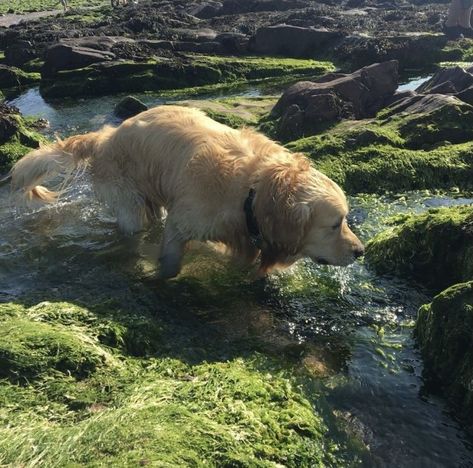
434, 248
444, 331
128, 107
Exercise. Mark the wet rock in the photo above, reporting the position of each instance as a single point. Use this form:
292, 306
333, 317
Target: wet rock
233, 43
128, 107
102, 43
434, 248
66, 57
361, 94
291, 41
444, 331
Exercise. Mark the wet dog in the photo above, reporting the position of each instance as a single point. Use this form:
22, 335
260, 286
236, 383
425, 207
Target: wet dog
235, 187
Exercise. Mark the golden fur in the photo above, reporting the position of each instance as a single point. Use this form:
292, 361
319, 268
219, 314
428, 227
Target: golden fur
200, 172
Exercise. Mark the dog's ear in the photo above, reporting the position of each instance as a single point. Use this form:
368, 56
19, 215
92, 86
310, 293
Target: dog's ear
283, 204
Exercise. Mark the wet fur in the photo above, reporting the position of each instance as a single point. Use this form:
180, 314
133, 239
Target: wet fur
200, 171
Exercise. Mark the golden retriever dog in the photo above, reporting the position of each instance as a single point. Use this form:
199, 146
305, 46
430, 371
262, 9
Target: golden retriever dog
215, 183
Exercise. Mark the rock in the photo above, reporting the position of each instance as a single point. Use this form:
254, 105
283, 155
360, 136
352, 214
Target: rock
428, 119
128, 107
19, 52
65, 57
103, 43
233, 43
234, 7
358, 95
206, 10
12, 77
444, 331
291, 41
410, 50
466, 95
458, 79
434, 248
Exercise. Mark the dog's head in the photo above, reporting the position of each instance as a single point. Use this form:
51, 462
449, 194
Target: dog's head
303, 213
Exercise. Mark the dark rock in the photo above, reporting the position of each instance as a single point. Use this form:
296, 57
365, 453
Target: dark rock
466, 95
233, 43
9, 124
444, 330
12, 77
206, 10
458, 78
128, 107
358, 95
19, 52
66, 57
234, 7
103, 43
291, 41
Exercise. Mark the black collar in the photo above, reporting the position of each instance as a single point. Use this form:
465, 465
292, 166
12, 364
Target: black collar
256, 237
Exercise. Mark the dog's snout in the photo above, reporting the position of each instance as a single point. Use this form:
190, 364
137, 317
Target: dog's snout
359, 251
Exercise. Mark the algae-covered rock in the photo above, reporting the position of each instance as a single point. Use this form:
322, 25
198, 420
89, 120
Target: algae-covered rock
435, 248
12, 77
444, 331
419, 142
165, 74
128, 107
17, 137
70, 397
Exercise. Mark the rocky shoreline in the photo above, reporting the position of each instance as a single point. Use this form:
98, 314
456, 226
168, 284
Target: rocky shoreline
97, 372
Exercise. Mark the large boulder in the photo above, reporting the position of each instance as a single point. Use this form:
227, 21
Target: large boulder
306, 104
444, 331
434, 248
19, 52
67, 57
291, 41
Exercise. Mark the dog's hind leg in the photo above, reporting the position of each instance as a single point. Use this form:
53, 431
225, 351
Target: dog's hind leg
125, 203
172, 250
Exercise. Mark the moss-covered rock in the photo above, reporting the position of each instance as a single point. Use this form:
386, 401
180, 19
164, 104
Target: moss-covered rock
435, 248
421, 144
67, 395
165, 74
17, 137
12, 77
444, 331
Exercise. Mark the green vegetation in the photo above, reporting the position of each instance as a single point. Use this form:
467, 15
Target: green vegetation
396, 152
444, 331
163, 74
20, 139
12, 77
25, 6
70, 394
435, 248
458, 51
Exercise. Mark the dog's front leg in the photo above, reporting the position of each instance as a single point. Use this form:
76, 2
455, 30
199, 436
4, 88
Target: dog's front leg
172, 250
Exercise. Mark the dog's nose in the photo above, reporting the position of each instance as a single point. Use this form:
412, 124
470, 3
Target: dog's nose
359, 252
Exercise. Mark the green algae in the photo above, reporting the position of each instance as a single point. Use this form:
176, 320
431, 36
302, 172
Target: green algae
25, 6
21, 142
191, 71
444, 331
14, 78
394, 153
107, 407
434, 248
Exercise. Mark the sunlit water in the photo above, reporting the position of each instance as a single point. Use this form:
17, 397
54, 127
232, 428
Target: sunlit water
350, 321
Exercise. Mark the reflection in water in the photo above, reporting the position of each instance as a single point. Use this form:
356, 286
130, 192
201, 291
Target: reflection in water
348, 326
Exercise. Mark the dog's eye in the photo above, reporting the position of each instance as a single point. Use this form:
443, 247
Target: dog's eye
337, 226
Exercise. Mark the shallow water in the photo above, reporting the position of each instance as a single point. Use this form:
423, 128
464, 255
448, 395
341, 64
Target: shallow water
355, 325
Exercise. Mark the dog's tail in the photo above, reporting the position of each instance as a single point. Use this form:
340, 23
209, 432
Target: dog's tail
63, 158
